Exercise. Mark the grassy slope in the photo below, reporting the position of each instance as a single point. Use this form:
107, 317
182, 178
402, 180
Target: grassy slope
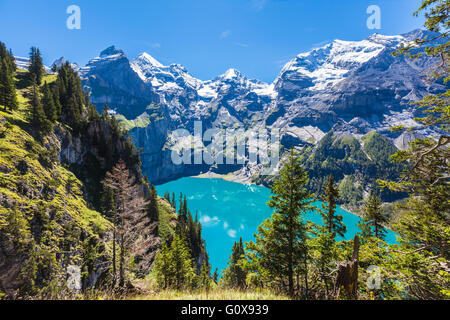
41, 202
167, 220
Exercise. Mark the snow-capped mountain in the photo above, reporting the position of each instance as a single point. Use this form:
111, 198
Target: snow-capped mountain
347, 86
23, 63
111, 80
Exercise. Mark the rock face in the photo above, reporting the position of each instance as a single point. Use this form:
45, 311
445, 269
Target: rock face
345, 86
111, 80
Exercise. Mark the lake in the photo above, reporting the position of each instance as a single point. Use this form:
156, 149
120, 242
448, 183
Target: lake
229, 210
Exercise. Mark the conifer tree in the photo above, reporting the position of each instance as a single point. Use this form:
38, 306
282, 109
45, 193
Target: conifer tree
49, 104
173, 265
36, 113
215, 276
8, 96
36, 68
234, 274
205, 277
152, 200
374, 218
332, 221
163, 267
71, 97
281, 241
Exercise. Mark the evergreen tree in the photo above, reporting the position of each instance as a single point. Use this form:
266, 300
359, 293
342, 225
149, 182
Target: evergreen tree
49, 104
182, 263
163, 267
167, 197
205, 278
234, 274
8, 96
36, 114
332, 221
72, 98
173, 265
12, 61
374, 218
215, 276
325, 259
152, 200
173, 202
36, 68
281, 241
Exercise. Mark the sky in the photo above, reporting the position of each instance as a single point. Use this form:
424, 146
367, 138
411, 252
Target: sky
208, 37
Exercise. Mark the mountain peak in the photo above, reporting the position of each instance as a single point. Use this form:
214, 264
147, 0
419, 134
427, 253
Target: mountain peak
232, 73
59, 62
145, 57
110, 51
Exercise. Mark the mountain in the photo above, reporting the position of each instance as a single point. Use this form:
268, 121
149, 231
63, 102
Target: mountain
23, 63
111, 80
344, 87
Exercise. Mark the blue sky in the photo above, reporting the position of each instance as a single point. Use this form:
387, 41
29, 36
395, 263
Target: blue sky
256, 37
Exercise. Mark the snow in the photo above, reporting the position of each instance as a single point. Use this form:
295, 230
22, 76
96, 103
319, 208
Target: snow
328, 65
23, 63
170, 86
207, 91
265, 90
231, 74
145, 57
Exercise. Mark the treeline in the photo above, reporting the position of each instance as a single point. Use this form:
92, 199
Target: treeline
62, 101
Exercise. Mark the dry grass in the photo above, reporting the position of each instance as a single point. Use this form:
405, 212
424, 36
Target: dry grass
213, 294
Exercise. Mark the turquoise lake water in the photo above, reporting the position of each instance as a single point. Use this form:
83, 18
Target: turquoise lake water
229, 210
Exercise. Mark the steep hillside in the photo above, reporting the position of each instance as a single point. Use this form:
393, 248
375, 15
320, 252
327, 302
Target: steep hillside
46, 224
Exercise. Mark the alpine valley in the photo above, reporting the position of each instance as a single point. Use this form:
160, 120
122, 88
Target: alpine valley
335, 104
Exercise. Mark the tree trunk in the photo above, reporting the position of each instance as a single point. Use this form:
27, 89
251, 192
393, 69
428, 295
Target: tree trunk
122, 262
347, 277
114, 259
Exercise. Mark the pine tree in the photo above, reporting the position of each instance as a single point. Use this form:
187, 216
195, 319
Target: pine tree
374, 218
8, 96
173, 265
234, 274
49, 104
163, 267
152, 200
215, 276
72, 98
36, 68
281, 241
37, 116
173, 202
205, 277
332, 221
